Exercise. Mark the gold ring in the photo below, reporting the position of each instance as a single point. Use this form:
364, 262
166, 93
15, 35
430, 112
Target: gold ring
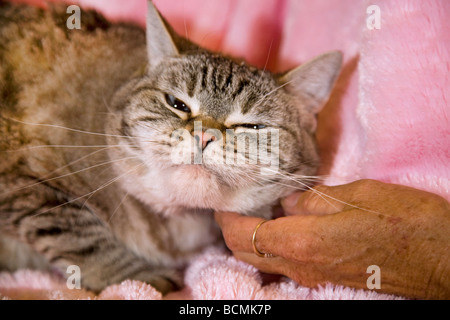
255, 250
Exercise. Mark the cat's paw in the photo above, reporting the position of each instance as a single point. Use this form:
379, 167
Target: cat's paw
164, 281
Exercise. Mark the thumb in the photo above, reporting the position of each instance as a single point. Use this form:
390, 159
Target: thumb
319, 200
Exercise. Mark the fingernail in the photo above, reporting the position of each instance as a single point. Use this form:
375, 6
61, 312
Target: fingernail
291, 200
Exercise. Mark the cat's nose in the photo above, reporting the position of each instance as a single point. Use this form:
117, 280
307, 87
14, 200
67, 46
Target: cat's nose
204, 138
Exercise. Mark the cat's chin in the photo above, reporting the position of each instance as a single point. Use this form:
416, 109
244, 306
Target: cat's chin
192, 171
195, 186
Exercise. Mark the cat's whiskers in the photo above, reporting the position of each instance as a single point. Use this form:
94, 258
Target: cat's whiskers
118, 207
267, 59
323, 195
61, 146
306, 178
106, 103
106, 146
67, 174
186, 34
259, 182
304, 187
273, 91
90, 194
272, 181
137, 138
63, 167
75, 130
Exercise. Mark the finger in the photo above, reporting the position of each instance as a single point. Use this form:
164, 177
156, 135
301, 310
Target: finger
302, 240
276, 265
237, 230
289, 203
307, 274
280, 237
319, 200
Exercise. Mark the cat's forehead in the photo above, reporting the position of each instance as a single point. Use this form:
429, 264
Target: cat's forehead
214, 73
215, 84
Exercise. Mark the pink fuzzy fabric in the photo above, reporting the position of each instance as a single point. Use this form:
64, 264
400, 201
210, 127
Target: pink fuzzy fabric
213, 275
399, 129
389, 118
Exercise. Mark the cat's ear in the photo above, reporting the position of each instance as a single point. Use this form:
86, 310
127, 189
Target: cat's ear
314, 80
160, 43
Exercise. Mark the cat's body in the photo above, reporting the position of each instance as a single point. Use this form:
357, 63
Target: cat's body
85, 173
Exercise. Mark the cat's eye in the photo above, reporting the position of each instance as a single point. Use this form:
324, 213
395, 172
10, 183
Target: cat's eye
176, 103
251, 126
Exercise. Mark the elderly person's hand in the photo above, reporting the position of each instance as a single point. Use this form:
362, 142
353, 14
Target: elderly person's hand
335, 233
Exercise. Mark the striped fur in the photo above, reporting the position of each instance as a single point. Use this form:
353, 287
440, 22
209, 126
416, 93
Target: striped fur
86, 174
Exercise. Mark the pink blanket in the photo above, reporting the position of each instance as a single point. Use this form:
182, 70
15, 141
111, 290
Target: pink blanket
212, 275
389, 118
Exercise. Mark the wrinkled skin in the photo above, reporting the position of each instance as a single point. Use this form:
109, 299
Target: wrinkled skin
403, 231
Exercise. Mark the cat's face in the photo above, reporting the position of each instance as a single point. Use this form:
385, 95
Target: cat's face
214, 133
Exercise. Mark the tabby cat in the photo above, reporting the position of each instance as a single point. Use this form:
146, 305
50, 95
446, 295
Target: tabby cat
88, 118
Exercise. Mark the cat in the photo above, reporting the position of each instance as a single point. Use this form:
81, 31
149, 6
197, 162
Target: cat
88, 118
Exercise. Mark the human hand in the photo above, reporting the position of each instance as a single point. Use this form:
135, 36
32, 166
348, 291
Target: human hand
333, 234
